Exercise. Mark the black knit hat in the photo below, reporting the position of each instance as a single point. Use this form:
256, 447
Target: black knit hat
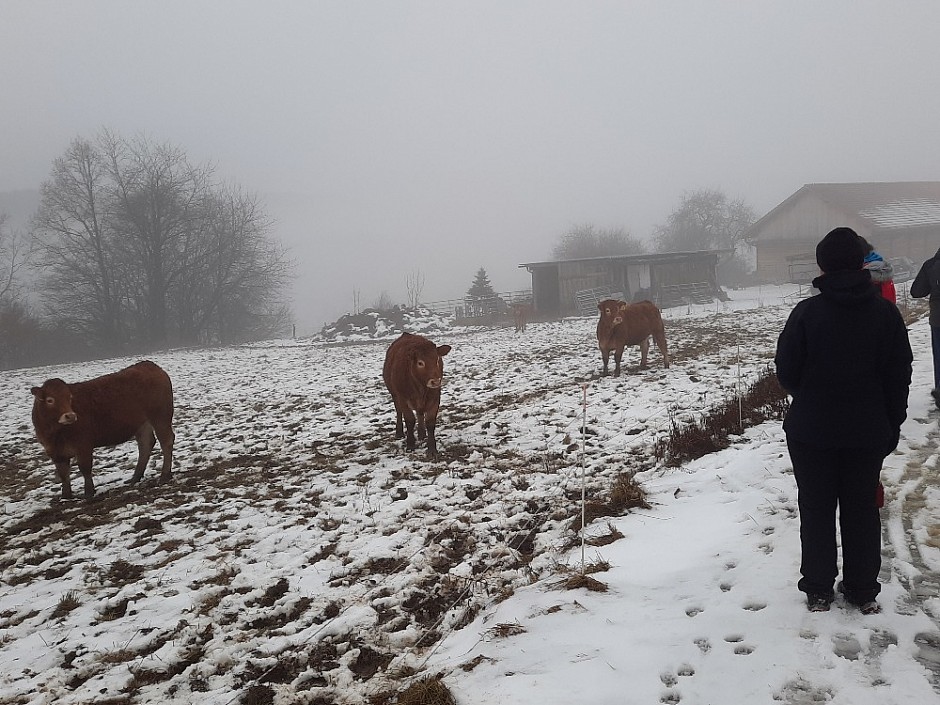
840, 250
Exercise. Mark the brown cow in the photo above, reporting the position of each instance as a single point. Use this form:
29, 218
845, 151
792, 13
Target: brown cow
623, 324
71, 420
520, 316
413, 373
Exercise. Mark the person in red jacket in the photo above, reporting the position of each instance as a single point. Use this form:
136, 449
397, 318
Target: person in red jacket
882, 274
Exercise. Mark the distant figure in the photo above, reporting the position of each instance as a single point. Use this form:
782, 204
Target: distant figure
520, 316
882, 274
845, 358
927, 283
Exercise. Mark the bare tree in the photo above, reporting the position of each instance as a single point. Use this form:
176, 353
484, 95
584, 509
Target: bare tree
153, 251
76, 247
19, 329
414, 285
159, 206
14, 255
384, 302
357, 297
588, 240
231, 276
704, 220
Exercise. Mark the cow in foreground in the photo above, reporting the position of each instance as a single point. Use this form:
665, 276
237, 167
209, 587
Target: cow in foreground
413, 373
71, 420
623, 324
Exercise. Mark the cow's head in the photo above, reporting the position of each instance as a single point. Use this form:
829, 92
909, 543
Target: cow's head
428, 365
612, 311
53, 400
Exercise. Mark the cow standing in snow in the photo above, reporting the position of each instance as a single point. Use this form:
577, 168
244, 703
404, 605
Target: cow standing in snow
623, 324
71, 420
413, 373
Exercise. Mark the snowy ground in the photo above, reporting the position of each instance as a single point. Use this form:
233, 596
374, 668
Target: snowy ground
301, 556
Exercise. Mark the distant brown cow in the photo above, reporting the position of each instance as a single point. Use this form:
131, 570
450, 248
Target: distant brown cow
413, 373
623, 324
520, 316
71, 420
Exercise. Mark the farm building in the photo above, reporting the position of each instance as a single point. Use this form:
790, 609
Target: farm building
574, 286
901, 219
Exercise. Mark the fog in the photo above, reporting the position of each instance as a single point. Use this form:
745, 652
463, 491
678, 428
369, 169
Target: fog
443, 137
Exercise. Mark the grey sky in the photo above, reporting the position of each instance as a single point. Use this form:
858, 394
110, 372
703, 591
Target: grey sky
442, 136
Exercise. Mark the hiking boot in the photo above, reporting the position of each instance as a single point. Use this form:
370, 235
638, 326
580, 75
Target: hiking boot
865, 606
818, 602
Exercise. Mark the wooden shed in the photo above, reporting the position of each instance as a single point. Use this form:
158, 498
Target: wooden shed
901, 219
572, 287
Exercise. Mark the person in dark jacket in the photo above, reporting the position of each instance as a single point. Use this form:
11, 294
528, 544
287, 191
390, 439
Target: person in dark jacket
927, 283
845, 358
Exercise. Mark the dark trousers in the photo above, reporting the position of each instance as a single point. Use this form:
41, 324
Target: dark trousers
847, 478
935, 344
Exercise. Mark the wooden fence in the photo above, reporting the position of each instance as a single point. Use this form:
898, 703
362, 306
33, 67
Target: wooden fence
480, 310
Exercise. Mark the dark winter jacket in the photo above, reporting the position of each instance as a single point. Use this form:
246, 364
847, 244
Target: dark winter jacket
845, 358
927, 283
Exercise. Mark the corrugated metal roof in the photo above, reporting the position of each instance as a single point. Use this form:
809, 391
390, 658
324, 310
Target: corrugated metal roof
884, 205
905, 213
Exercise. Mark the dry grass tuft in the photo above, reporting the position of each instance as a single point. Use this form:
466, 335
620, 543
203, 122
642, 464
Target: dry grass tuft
577, 581
427, 691
67, 603
613, 534
505, 629
626, 493
121, 572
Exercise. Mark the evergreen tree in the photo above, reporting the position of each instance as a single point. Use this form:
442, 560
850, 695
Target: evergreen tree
481, 287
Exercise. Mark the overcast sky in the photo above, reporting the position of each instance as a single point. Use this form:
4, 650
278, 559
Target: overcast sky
388, 137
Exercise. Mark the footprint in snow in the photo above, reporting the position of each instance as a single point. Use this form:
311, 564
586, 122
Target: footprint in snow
693, 611
703, 644
846, 646
754, 606
740, 648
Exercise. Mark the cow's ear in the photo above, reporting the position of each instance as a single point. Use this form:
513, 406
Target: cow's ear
600, 305
35, 391
442, 350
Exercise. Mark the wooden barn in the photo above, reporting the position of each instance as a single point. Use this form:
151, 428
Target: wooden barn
901, 219
574, 286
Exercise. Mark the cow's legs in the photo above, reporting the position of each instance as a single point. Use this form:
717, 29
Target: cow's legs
605, 356
167, 440
409, 428
661, 344
145, 443
618, 356
63, 469
84, 464
422, 434
644, 351
432, 440
399, 428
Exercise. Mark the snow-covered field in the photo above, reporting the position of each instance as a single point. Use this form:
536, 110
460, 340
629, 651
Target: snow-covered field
302, 556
